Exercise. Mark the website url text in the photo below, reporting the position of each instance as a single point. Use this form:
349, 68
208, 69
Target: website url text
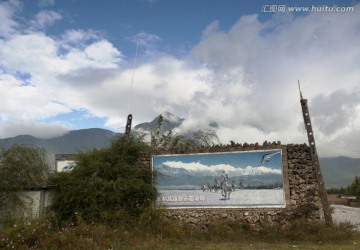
273, 8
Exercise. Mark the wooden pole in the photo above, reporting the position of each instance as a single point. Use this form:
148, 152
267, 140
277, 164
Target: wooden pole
128, 126
315, 160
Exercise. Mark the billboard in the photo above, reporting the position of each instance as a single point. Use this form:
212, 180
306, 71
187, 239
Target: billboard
224, 180
65, 165
64, 162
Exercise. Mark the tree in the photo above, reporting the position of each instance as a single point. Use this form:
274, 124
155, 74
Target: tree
22, 167
106, 185
354, 188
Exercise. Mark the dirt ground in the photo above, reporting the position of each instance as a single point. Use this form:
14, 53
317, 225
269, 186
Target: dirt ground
335, 200
344, 211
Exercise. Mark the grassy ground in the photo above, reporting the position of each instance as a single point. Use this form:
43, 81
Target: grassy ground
240, 246
154, 233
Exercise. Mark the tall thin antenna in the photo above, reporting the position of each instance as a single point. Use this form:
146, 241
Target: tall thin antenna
301, 97
129, 118
132, 78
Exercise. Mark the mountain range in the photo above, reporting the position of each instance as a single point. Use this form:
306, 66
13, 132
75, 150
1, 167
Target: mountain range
169, 177
337, 171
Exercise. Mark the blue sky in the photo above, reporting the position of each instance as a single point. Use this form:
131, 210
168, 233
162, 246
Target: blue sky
68, 65
177, 23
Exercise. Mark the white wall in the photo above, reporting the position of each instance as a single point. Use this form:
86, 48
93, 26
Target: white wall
36, 202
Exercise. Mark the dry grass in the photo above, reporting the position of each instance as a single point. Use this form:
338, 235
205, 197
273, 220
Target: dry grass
151, 232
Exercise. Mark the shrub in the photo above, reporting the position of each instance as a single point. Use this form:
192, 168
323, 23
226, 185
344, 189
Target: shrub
48, 231
107, 185
315, 231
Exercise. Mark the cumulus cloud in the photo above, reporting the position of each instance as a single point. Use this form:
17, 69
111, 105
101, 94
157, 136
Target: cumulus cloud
33, 67
44, 19
243, 78
8, 11
147, 41
77, 38
265, 59
218, 168
38, 130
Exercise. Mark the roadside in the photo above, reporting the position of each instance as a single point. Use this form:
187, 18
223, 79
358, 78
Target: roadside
342, 213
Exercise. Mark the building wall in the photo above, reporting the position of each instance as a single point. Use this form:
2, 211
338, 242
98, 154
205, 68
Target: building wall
300, 187
37, 201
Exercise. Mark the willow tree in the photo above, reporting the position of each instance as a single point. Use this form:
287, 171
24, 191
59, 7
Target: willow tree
22, 168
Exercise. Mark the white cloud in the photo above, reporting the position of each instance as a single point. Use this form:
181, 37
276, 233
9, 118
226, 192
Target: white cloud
104, 53
244, 78
33, 67
215, 169
147, 42
77, 38
7, 13
38, 130
269, 58
45, 18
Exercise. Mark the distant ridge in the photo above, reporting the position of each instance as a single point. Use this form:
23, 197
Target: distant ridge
70, 143
337, 171
170, 121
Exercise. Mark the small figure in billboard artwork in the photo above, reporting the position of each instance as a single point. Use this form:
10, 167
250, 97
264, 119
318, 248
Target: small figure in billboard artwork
225, 189
210, 187
217, 185
223, 177
233, 186
241, 184
203, 187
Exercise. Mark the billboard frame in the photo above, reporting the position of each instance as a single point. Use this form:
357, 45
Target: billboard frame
226, 150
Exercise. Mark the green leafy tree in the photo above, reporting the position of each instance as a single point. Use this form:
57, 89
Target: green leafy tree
106, 185
354, 188
22, 167
337, 191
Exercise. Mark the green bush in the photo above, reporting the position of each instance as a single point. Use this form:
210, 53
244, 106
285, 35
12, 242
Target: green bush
154, 230
48, 232
107, 185
315, 231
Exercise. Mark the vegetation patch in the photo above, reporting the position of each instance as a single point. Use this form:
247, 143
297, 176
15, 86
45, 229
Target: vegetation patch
152, 231
106, 185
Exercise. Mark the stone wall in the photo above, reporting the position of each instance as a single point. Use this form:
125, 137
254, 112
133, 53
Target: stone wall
300, 188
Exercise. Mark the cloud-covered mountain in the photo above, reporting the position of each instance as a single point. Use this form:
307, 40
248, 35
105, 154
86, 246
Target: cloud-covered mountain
170, 122
70, 143
239, 70
181, 178
176, 174
337, 171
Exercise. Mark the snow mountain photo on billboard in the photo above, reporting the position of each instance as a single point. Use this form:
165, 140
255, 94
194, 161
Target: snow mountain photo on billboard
254, 177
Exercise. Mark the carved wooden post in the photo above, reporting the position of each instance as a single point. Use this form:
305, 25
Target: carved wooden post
128, 125
315, 160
